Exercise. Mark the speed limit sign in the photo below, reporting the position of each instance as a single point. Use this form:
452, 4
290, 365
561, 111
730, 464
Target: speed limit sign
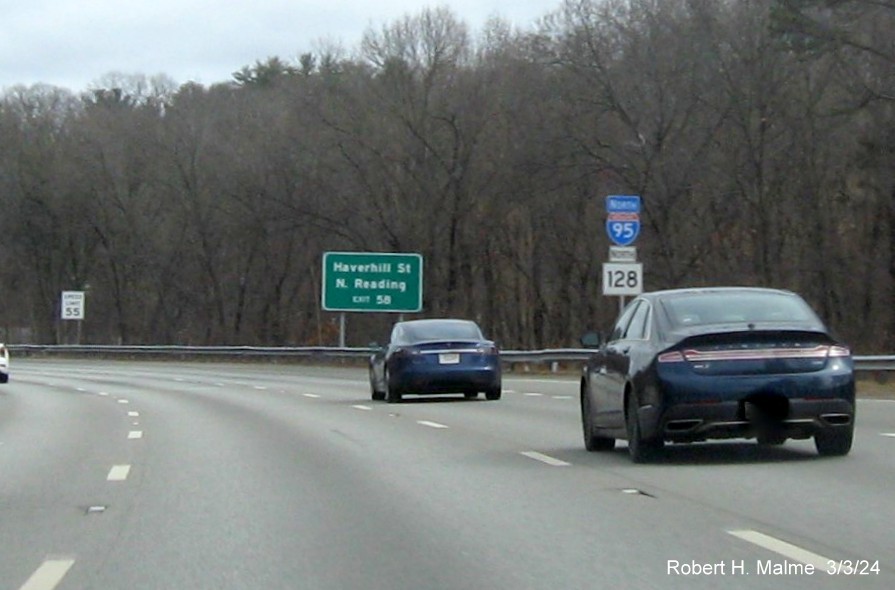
622, 278
72, 305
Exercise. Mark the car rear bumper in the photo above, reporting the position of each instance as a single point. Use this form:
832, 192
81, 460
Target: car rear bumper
775, 407
446, 379
732, 419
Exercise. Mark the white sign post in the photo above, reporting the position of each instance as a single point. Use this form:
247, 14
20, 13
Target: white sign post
72, 305
72, 308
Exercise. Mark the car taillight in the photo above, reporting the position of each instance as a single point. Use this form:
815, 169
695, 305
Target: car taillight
839, 351
671, 357
405, 352
487, 349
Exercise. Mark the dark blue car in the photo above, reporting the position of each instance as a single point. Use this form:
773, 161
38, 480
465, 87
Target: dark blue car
434, 357
696, 364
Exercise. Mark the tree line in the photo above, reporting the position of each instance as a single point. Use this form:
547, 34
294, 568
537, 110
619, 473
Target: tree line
760, 135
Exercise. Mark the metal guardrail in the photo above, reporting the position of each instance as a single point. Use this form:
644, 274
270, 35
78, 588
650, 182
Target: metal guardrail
553, 355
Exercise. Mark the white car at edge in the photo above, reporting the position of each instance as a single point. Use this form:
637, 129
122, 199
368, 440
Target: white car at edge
4, 363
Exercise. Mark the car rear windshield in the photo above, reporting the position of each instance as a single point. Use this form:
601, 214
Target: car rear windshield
442, 331
736, 307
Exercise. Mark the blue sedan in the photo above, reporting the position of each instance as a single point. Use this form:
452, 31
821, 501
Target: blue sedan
690, 365
434, 357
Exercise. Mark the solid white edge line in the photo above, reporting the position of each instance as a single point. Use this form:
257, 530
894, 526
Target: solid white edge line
431, 424
783, 548
118, 473
135, 434
544, 458
48, 575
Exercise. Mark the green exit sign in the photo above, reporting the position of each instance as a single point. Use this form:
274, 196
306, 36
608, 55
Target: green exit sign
367, 281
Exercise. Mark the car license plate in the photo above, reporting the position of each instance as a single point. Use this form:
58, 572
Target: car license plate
451, 358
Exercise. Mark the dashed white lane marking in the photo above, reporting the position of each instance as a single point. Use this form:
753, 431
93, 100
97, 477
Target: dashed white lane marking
118, 473
260, 388
135, 434
553, 381
783, 548
431, 424
545, 459
362, 407
889, 434
562, 397
104, 393
81, 389
534, 394
510, 391
311, 395
48, 575
133, 414
123, 401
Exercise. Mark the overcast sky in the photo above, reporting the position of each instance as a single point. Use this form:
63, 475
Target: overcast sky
73, 43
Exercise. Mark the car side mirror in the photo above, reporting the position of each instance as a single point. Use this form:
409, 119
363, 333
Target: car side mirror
592, 340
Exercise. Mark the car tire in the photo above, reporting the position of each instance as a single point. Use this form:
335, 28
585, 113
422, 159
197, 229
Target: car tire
493, 394
375, 394
4, 377
641, 450
770, 440
392, 394
592, 442
834, 443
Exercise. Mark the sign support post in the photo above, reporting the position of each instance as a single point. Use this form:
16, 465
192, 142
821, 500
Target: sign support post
622, 275
72, 308
371, 282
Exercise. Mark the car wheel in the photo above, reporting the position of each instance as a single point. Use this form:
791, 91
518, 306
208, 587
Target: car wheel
375, 393
493, 394
4, 377
392, 394
771, 440
833, 443
641, 450
592, 442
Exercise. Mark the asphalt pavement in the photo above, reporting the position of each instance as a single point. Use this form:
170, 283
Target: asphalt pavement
158, 475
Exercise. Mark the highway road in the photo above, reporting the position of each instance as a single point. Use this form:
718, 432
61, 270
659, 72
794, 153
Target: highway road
163, 475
